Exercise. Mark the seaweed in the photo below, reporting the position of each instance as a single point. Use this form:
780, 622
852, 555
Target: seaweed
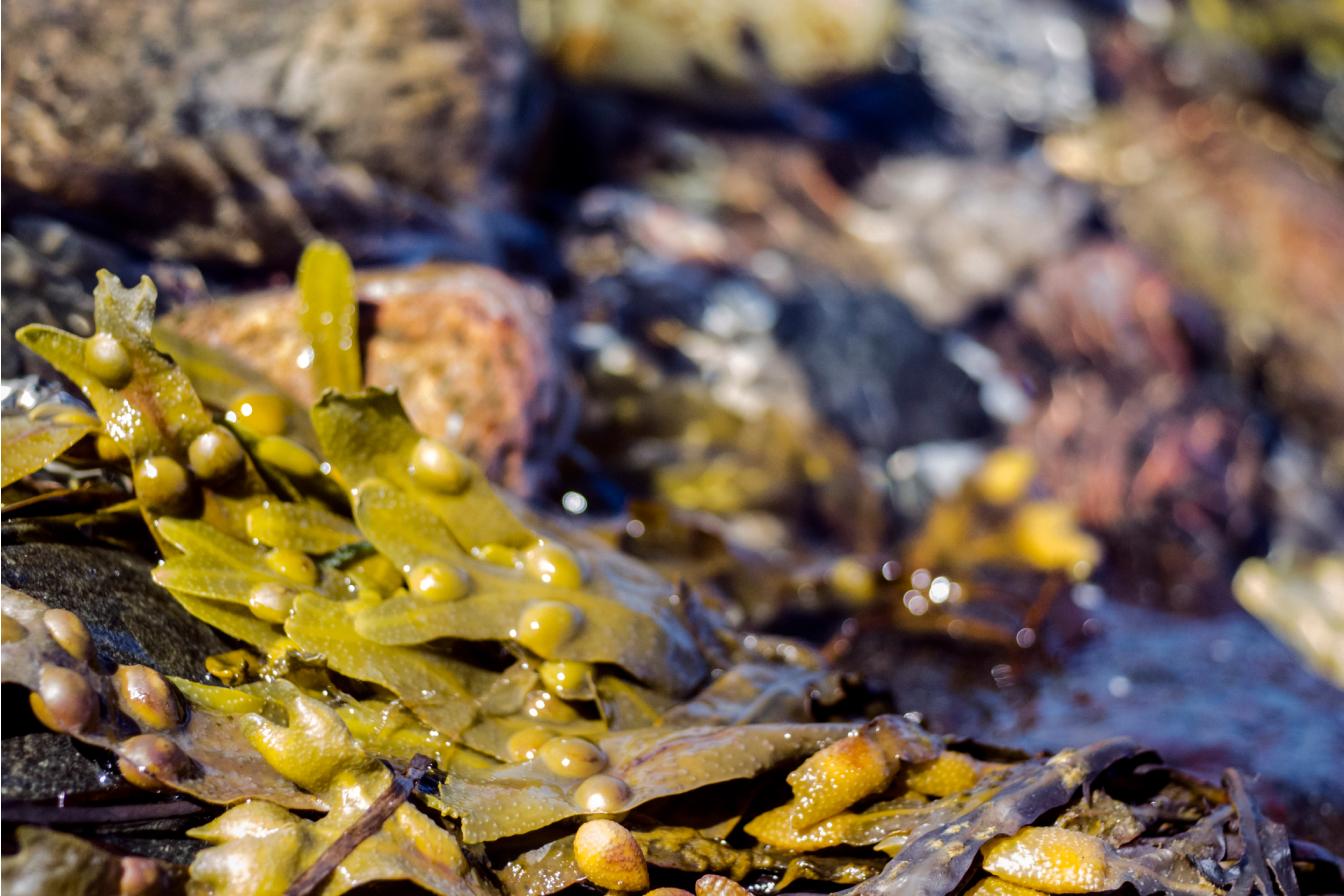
544, 692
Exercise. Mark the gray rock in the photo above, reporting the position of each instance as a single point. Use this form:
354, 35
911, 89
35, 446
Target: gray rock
132, 619
42, 765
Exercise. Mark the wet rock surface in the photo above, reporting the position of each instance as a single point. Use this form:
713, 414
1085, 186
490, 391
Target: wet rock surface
43, 765
876, 373
132, 620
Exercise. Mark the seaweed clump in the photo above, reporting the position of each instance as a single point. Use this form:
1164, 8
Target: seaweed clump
436, 686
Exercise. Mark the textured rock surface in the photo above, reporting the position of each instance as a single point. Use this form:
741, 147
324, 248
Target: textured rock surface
43, 765
468, 348
132, 620
234, 132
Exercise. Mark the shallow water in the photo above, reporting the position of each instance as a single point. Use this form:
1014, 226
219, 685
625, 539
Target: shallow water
1207, 693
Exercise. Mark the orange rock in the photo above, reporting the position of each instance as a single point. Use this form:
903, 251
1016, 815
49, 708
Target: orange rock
468, 348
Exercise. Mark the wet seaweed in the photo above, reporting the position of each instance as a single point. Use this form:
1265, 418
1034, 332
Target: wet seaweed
396, 608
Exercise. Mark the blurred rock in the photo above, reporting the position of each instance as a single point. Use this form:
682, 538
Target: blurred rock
1288, 55
945, 234
998, 64
233, 133
702, 50
948, 234
875, 372
739, 380
1236, 204
690, 391
468, 348
1136, 426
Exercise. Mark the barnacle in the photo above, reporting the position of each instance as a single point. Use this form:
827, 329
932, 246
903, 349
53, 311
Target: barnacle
399, 610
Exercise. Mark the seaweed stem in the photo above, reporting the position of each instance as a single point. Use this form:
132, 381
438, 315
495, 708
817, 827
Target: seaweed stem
368, 824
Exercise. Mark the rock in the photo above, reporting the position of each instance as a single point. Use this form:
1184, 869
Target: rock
735, 47
853, 353
875, 372
132, 620
944, 234
731, 378
1137, 425
949, 235
40, 765
1000, 64
234, 133
690, 394
468, 348
1257, 233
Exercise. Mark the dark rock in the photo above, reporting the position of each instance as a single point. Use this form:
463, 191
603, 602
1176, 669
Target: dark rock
132, 620
42, 765
875, 372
